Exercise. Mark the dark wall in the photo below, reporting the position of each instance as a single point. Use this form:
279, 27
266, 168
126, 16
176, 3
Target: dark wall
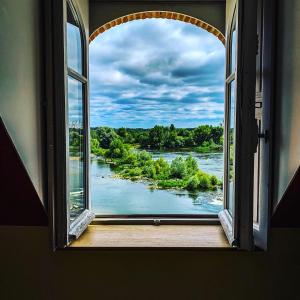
29, 270
212, 12
19, 201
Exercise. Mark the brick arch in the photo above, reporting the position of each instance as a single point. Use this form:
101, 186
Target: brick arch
158, 15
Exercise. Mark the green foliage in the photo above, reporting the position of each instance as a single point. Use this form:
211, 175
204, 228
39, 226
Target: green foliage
116, 149
206, 138
171, 184
119, 147
214, 180
105, 136
162, 169
193, 183
178, 168
191, 165
208, 147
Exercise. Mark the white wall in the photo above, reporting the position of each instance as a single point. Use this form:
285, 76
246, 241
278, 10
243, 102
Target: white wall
287, 117
20, 81
21, 78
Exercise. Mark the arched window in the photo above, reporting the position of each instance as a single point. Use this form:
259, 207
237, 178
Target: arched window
68, 134
77, 138
68, 127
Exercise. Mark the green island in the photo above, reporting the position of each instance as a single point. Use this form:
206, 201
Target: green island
127, 151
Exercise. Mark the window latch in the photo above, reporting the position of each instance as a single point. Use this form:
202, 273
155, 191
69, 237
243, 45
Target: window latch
156, 222
264, 135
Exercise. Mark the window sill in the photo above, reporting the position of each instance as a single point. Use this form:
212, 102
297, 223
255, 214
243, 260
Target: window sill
153, 237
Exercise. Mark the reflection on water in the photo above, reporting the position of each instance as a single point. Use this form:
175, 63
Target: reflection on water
118, 196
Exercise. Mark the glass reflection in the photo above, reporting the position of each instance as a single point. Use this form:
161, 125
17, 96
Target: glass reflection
74, 48
231, 148
76, 148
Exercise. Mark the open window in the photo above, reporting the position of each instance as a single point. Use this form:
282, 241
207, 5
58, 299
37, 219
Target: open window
68, 134
240, 125
246, 158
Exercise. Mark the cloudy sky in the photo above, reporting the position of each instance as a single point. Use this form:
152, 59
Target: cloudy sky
156, 71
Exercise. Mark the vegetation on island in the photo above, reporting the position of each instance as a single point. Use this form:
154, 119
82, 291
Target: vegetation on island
181, 173
125, 150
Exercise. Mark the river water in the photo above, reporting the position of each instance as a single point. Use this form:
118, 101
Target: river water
113, 196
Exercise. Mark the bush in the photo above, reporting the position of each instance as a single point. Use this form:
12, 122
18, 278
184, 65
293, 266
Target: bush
204, 181
130, 159
162, 168
143, 157
191, 165
171, 183
192, 183
117, 149
178, 168
135, 172
214, 180
149, 171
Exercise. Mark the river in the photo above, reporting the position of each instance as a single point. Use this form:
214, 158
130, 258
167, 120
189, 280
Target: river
113, 196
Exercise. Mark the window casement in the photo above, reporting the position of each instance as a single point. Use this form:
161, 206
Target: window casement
68, 133
246, 157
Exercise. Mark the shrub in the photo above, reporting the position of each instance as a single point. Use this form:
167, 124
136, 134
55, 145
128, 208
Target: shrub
204, 181
130, 159
191, 165
192, 183
150, 171
171, 183
143, 157
116, 149
135, 172
178, 168
214, 180
162, 168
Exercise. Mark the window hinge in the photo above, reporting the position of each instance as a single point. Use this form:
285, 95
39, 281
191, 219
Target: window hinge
264, 135
257, 44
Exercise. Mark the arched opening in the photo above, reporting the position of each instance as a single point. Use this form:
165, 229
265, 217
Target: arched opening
159, 15
157, 111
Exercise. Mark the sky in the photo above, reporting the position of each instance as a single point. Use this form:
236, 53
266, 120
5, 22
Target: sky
156, 71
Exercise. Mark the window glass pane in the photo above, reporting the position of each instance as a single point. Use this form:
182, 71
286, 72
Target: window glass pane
74, 54
233, 50
231, 148
76, 148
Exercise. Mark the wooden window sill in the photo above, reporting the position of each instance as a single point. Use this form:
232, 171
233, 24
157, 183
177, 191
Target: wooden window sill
153, 237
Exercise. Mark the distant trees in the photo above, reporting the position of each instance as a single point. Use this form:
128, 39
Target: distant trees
205, 137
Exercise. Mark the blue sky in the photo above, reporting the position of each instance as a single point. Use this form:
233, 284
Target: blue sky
156, 71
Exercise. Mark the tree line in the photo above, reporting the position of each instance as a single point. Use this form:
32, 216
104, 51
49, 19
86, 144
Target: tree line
204, 138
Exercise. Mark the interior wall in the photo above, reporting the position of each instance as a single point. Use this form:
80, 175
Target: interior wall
29, 270
20, 82
212, 12
287, 120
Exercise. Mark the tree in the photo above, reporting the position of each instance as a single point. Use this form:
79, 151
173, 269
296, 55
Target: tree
202, 134
178, 168
105, 136
157, 137
117, 149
